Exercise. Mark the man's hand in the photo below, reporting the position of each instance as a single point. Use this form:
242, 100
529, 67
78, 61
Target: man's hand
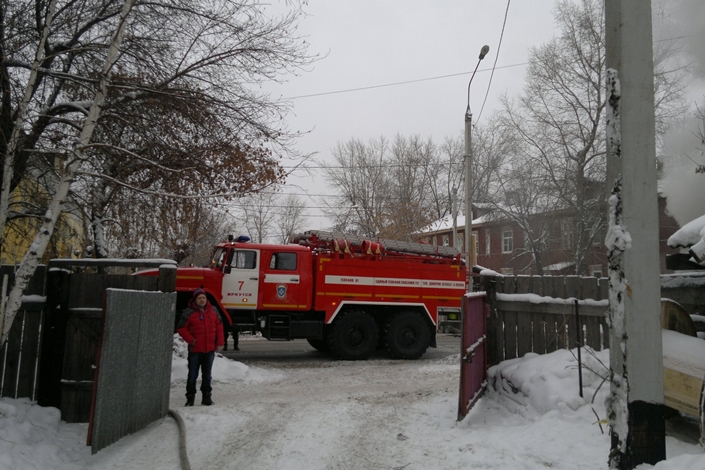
219, 349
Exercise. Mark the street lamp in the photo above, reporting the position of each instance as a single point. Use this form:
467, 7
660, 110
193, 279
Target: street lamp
469, 246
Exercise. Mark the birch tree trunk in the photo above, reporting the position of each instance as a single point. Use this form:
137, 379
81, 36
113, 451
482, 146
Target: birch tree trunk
12, 144
41, 240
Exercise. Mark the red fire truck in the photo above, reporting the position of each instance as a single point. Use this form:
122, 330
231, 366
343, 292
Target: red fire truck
345, 295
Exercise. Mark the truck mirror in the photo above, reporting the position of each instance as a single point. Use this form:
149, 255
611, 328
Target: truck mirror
227, 269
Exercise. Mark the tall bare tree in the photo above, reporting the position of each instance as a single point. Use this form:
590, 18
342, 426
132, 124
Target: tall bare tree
259, 213
95, 114
41, 240
291, 217
175, 108
559, 119
358, 172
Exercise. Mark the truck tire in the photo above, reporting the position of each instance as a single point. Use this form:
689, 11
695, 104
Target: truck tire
319, 345
353, 336
407, 336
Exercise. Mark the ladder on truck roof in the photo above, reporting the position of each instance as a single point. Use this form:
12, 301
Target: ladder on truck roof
388, 245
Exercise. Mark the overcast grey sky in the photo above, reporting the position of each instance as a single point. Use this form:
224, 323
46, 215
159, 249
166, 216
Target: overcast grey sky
434, 45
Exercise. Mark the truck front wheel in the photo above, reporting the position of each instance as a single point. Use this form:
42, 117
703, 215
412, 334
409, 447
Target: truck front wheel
353, 336
407, 336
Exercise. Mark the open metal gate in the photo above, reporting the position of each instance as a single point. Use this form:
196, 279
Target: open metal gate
473, 352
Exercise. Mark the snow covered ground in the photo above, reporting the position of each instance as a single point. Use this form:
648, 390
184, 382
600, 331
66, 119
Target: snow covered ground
376, 414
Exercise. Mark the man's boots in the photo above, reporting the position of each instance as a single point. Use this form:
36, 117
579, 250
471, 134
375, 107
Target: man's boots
206, 399
189, 399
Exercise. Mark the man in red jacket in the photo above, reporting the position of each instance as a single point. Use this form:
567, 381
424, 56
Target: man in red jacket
200, 326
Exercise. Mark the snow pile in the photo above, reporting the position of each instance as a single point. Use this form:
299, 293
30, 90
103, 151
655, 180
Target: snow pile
690, 234
34, 437
224, 370
534, 385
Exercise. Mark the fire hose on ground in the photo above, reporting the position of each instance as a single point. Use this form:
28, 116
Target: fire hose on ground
183, 452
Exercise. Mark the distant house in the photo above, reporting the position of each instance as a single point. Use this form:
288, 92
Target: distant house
500, 243
19, 233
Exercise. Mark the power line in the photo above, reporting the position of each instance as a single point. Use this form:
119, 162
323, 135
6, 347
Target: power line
349, 90
438, 77
496, 57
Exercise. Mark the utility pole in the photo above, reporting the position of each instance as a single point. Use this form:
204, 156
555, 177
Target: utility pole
469, 245
635, 406
454, 208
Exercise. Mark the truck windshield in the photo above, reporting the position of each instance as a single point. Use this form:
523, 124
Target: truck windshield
218, 258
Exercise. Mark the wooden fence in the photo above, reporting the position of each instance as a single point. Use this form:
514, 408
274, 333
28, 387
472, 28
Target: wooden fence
19, 356
74, 316
541, 314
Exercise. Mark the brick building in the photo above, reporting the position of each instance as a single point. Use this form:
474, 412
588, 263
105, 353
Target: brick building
500, 244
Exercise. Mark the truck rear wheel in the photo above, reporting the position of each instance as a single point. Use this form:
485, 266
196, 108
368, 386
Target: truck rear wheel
353, 336
407, 336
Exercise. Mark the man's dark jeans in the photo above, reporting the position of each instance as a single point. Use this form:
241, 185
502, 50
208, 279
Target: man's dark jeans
204, 362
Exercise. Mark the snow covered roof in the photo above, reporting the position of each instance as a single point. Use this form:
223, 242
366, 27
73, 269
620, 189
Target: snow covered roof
446, 223
690, 234
559, 266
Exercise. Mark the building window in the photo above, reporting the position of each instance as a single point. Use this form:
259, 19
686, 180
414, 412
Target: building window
507, 241
445, 240
487, 242
567, 234
460, 242
596, 270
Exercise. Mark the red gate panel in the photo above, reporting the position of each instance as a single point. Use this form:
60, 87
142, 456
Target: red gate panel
473, 352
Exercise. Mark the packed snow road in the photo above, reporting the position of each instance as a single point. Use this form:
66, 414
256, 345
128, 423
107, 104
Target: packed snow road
306, 411
315, 413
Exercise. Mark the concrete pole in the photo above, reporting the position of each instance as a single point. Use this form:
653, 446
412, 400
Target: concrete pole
469, 245
468, 192
636, 358
454, 208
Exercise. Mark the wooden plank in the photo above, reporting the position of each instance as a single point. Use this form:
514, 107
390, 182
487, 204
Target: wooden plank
524, 329
605, 333
493, 337
539, 332
571, 327
547, 286
682, 391
561, 333
589, 288
556, 287
572, 287
550, 307
499, 284
53, 339
523, 284
510, 284
551, 333
510, 335
12, 356
76, 401
500, 346
537, 285
593, 338
30, 349
603, 288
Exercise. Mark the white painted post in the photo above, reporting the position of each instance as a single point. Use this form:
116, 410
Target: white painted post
635, 407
